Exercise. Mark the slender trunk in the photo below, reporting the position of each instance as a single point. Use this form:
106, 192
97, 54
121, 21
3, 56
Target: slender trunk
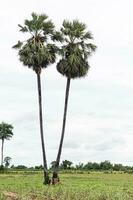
2, 148
46, 176
55, 177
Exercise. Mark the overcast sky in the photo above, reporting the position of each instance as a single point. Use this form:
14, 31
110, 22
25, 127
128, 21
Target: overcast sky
100, 112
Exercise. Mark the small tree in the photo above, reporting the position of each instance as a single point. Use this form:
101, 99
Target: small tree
80, 166
52, 164
106, 165
5, 134
7, 161
66, 164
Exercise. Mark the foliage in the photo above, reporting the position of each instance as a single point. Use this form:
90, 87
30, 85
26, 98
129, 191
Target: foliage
106, 165
38, 51
7, 161
6, 131
66, 164
39, 167
94, 166
76, 49
1, 167
19, 167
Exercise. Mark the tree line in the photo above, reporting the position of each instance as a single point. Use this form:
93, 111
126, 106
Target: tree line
68, 165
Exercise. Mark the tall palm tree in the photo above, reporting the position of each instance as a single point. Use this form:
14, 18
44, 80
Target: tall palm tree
5, 134
76, 49
38, 52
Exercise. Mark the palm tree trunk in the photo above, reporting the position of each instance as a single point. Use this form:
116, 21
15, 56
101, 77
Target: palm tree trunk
55, 177
46, 176
2, 150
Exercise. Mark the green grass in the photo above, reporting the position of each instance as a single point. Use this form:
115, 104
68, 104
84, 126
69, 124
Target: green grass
93, 186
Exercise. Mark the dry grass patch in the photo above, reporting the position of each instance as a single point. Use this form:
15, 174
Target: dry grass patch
11, 195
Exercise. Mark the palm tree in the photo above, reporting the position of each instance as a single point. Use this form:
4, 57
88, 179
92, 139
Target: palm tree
76, 49
7, 161
5, 134
38, 52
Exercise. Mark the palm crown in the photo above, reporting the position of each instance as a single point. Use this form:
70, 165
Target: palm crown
75, 50
5, 131
38, 51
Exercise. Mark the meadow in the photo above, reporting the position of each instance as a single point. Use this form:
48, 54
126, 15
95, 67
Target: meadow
73, 186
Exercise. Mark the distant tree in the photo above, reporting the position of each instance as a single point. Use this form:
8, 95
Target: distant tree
88, 166
96, 166
79, 166
39, 167
38, 52
127, 168
20, 167
106, 165
92, 166
73, 64
7, 161
53, 164
66, 164
31, 168
6, 133
118, 167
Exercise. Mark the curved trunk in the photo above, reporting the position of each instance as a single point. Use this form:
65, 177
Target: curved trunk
46, 176
2, 151
55, 177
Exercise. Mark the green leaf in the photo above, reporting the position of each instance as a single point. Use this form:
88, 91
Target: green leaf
18, 45
23, 28
57, 36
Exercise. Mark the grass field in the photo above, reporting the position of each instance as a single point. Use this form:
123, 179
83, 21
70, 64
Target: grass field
93, 186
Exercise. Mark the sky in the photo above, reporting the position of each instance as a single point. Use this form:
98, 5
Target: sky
100, 111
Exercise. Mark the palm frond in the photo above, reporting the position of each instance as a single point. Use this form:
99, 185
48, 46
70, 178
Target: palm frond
92, 47
87, 35
76, 25
42, 17
23, 29
18, 45
48, 27
57, 36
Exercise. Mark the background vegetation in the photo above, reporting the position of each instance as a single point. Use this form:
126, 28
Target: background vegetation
68, 167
